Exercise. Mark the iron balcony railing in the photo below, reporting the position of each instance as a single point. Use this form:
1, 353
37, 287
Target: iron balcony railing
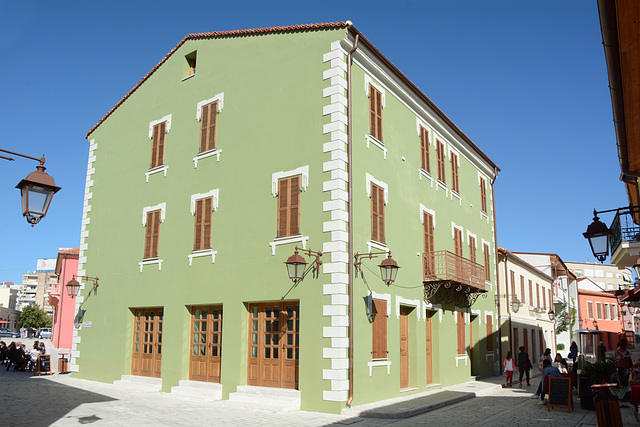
623, 229
445, 266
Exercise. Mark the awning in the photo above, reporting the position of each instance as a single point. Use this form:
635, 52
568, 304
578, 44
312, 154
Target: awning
587, 331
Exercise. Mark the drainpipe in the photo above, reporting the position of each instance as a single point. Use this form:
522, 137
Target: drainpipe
350, 216
495, 235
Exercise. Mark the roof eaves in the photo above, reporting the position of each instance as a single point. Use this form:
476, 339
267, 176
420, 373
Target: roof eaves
421, 95
221, 34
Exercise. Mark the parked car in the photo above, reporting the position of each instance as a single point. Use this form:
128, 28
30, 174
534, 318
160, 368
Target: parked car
6, 332
45, 333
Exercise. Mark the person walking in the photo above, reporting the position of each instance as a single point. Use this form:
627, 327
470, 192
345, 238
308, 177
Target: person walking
573, 352
623, 362
524, 364
509, 367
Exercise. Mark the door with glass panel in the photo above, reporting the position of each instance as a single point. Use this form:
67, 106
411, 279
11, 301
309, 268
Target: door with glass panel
147, 342
274, 344
206, 343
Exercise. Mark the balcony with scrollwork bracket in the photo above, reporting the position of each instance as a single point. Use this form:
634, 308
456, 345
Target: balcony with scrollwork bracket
452, 279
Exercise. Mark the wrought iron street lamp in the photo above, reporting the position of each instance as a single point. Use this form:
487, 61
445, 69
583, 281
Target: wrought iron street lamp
73, 286
598, 235
297, 265
388, 267
36, 190
515, 305
551, 314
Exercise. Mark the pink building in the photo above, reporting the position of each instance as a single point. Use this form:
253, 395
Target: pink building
64, 305
600, 320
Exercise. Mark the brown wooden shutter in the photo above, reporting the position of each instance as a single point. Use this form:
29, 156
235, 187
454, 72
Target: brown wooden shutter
440, 153
379, 328
487, 265
294, 206
429, 259
148, 235
483, 195
155, 234
161, 135
590, 309
538, 294
289, 206
154, 148
550, 299
204, 127
489, 333
522, 288
197, 240
206, 232
513, 285
377, 213
424, 149
457, 241
208, 126
283, 206
375, 113
461, 331
152, 234
544, 299
454, 173
202, 232
472, 248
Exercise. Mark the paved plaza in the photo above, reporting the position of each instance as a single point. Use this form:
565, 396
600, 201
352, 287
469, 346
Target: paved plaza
62, 400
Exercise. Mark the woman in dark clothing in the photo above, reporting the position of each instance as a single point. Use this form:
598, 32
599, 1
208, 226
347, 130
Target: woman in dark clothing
524, 364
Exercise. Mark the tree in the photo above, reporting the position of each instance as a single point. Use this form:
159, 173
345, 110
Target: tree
562, 317
33, 316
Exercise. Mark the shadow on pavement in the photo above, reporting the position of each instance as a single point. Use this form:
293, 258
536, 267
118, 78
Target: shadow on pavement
29, 400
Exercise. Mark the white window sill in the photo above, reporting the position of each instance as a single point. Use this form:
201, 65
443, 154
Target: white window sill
379, 363
371, 140
159, 169
460, 357
372, 244
278, 241
457, 196
422, 172
215, 152
439, 184
150, 261
203, 253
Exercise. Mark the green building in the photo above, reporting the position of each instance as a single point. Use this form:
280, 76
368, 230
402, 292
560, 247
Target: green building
240, 147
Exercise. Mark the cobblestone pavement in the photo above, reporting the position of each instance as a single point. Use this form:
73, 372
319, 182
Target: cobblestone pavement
61, 400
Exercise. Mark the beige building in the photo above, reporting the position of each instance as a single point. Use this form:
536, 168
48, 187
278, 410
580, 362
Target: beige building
524, 303
608, 277
35, 290
9, 316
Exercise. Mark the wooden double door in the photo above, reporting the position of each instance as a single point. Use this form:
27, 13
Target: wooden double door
206, 343
147, 342
274, 344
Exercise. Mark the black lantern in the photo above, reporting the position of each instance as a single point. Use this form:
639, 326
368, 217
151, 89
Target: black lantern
598, 235
515, 305
551, 314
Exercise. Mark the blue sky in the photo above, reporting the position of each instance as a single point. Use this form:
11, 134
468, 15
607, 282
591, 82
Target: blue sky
525, 80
